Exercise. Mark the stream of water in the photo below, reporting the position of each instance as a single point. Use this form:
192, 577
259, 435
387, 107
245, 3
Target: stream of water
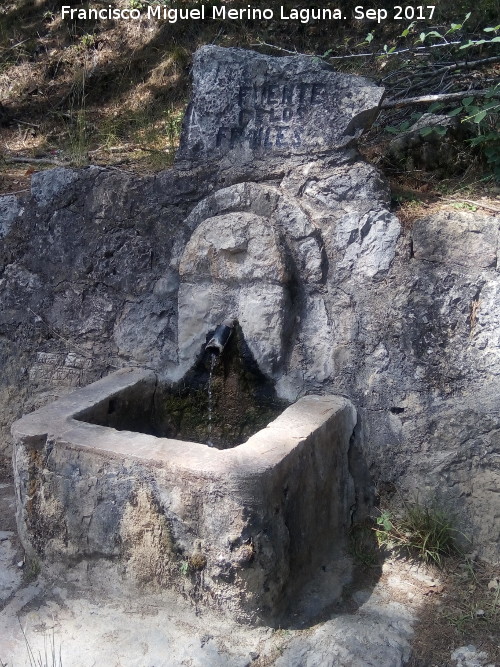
213, 361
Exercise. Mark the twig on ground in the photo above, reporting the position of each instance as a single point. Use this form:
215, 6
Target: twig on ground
14, 46
17, 159
112, 149
468, 64
24, 122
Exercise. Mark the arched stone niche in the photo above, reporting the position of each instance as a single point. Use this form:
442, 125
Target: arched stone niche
253, 255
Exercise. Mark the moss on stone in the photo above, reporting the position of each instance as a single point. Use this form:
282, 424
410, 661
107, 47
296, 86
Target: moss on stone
243, 399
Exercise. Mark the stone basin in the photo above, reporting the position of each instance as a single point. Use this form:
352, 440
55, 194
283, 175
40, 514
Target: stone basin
240, 529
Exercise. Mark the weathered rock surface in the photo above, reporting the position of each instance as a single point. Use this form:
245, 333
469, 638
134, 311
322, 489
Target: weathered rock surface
10, 208
164, 631
233, 267
239, 529
100, 269
88, 627
467, 240
469, 656
245, 105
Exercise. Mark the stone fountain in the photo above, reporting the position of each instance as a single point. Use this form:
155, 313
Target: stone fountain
241, 527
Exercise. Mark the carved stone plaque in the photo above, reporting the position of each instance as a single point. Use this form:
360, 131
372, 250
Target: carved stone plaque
248, 105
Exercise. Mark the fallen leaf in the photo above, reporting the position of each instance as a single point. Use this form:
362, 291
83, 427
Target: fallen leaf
494, 584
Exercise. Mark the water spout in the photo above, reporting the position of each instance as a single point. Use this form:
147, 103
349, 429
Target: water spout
220, 338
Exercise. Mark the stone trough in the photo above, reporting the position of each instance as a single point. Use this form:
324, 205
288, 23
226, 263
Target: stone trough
239, 529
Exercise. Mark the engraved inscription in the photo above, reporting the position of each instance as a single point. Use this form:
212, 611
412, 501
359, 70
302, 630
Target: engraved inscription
268, 115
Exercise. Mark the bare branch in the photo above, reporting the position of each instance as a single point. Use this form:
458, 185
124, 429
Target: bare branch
25, 122
34, 160
429, 99
415, 49
467, 64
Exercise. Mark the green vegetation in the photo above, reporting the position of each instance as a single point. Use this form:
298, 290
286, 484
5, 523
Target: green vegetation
480, 111
31, 569
362, 545
114, 92
418, 530
184, 568
469, 611
410, 529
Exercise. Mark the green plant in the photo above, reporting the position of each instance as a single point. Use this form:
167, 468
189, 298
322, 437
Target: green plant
454, 27
484, 115
464, 206
362, 545
487, 119
32, 569
480, 42
481, 111
422, 531
473, 602
184, 568
423, 131
410, 33
173, 125
403, 126
470, 610
78, 126
79, 138
87, 41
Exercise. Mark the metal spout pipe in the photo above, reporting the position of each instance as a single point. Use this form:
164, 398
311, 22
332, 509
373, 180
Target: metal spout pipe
220, 337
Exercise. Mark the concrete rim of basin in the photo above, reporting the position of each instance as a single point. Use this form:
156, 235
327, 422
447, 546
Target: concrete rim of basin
261, 451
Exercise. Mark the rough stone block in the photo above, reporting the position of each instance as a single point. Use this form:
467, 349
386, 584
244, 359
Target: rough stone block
466, 239
249, 105
10, 209
239, 529
47, 185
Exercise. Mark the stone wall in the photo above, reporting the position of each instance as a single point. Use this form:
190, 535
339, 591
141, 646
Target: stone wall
101, 269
